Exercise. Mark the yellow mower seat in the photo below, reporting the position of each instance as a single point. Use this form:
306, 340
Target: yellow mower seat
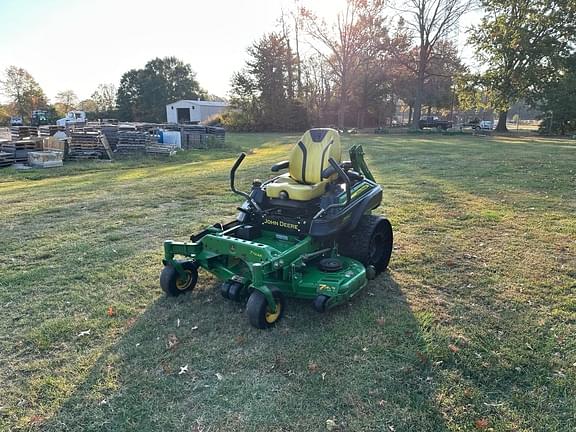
308, 159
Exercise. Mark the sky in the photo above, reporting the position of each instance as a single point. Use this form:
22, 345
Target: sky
76, 45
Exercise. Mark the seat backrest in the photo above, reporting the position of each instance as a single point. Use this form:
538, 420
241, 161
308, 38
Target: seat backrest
310, 156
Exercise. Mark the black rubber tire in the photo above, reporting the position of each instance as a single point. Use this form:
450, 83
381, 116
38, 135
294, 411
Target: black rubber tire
224, 289
257, 309
170, 280
371, 242
235, 291
320, 303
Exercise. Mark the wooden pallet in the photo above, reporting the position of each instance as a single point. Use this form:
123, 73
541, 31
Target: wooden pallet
161, 149
88, 144
133, 141
6, 159
21, 132
49, 130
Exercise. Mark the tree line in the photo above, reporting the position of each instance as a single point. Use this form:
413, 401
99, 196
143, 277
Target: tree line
356, 68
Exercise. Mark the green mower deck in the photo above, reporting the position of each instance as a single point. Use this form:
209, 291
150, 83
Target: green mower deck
272, 260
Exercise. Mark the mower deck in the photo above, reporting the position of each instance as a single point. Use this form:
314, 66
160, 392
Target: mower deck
272, 260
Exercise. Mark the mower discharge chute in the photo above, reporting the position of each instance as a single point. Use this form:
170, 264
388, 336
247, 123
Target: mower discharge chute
308, 233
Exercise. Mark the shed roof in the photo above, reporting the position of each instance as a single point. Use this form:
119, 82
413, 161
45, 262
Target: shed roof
202, 103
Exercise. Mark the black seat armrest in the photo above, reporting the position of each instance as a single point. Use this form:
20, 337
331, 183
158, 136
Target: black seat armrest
346, 165
280, 166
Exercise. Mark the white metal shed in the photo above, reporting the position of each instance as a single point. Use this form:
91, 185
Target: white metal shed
193, 111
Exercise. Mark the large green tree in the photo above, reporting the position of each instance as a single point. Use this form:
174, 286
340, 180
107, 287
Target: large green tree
23, 92
557, 100
429, 23
347, 46
263, 92
67, 99
522, 43
104, 98
144, 93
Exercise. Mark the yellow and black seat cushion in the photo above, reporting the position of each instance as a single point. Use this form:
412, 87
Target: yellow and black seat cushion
308, 159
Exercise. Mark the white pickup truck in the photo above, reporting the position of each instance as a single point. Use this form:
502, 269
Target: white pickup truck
72, 118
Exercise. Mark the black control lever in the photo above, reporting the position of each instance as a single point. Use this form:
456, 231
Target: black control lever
232, 182
334, 165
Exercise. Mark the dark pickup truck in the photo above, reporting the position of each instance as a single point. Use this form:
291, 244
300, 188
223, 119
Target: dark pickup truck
434, 122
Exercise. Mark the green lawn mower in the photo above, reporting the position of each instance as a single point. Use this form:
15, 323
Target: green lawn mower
308, 234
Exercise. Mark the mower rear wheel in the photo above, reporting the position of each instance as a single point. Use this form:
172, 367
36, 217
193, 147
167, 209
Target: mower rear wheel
370, 243
258, 312
171, 282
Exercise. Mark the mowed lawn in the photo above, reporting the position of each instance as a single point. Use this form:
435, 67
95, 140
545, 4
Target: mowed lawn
472, 328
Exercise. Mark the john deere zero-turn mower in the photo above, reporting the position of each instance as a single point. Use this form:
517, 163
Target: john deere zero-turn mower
308, 233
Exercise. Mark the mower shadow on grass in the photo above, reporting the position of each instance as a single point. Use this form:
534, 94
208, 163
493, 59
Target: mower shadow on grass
362, 365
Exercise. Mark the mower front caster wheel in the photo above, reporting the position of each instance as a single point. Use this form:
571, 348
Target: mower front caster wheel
231, 290
259, 314
320, 303
174, 285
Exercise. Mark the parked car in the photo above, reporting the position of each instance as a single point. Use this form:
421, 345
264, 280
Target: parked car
486, 125
434, 122
16, 121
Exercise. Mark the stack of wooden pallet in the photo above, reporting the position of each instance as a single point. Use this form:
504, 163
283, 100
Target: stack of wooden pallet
6, 159
193, 136
21, 132
202, 137
111, 132
48, 130
160, 149
88, 145
20, 149
216, 136
133, 141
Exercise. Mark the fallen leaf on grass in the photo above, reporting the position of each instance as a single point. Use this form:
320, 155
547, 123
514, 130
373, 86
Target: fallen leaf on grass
37, 420
172, 341
331, 424
481, 424
421, 357
312, 367
111, 312
453, 348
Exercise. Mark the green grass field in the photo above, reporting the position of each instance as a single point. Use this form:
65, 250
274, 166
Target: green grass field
472, 328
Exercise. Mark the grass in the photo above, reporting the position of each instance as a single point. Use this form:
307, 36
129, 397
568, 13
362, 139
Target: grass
472, 328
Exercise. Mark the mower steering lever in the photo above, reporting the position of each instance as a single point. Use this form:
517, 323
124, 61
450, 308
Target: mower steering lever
337, 169
232, 182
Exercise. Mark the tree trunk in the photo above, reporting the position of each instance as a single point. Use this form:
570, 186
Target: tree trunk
419, 87
417, 110
342, 104
298, 64
502, 116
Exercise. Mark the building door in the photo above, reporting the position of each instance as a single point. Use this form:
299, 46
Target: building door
183, 115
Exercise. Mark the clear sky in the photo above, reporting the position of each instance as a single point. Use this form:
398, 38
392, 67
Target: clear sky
79, 44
